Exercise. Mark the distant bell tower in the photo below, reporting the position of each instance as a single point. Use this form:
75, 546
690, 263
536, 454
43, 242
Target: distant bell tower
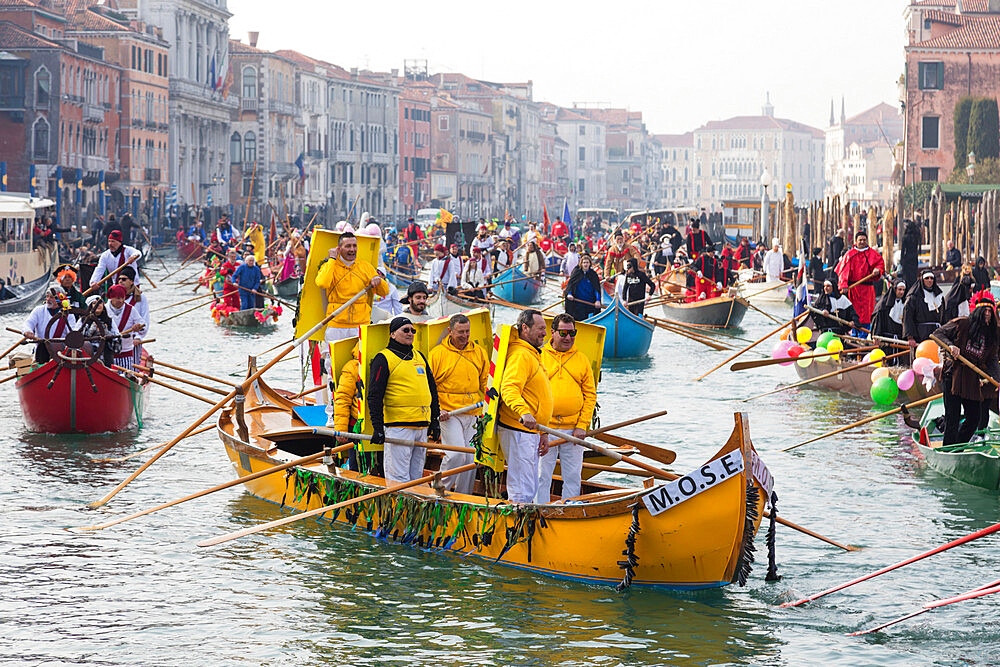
768, 108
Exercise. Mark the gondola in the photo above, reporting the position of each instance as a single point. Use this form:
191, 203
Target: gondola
717, 312
443, 304
514, 286
189, 249
975, 463
701, 542
288, 288
251, 318
23, 296
75, 392
858, 381
628, 335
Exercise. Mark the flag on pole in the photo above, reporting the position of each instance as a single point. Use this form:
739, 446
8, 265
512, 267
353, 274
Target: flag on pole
78, 195
444, 217
31, 180
567, 218
3, 177
545, 220
211, 74
301, 164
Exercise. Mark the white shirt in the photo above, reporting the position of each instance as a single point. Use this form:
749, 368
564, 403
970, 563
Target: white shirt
445, 276
39, 319
570, 261
108, 263
130, 321
474, 276
390, 303
774, 264
502, 262
142, 306
483, 244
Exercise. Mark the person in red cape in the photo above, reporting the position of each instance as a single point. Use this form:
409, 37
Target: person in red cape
861, 266
559, 229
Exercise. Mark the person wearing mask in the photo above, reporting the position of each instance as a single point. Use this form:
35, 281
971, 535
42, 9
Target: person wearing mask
41, 322
583, 291
525, 403
114, 257
446, 270
574, 395
923, 310
402, 403
832, 302
634, 288
248, 278
965, 392
460, 369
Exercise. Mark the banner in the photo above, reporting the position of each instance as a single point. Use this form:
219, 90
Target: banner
674, 493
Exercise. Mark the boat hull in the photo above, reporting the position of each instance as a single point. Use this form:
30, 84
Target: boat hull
288, 288
719, 312
858, 382
628, 336
692, 545
72, 406
27, 274
514, 286
443, 304
978, 468
246, 319
189, 250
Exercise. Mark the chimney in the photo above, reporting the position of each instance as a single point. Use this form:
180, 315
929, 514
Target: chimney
253, 38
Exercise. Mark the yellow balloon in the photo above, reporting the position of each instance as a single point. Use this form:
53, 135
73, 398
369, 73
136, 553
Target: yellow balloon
879, 373
835, 346
803, 334
877, 354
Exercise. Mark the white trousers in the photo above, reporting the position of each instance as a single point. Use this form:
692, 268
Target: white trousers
521, 451
332, 335
458, 431
404, 463
570, 467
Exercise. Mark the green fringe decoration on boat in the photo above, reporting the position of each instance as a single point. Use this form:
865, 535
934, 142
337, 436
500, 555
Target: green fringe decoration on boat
631, 560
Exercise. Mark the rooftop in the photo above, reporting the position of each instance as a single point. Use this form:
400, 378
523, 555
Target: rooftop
761, 123
972, 32
13, 36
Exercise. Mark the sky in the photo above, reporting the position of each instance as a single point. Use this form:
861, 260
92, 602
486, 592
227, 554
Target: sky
680, 63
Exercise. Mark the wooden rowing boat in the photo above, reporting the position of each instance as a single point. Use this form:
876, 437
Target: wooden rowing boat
251, 318
704, 541
514, 286
718, 312
442, 304
975, 463
189, 249
628, 336
858, 381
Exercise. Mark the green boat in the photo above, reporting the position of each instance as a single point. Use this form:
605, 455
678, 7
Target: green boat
976, 463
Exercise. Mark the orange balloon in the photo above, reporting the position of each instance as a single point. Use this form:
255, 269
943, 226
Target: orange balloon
928, 350
784, 335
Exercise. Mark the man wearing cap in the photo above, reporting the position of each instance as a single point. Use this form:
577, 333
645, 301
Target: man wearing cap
413, 235
525, 402
128, 322
460, 369
446, 269
115, 256
482, 241
135, 298
248, 278
67, 280
858, 271
476, 275
574, 396
416, 302
697, 240
40, 323
342, 275
402, 402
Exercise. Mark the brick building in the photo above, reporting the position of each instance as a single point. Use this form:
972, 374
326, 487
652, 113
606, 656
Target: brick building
415, 146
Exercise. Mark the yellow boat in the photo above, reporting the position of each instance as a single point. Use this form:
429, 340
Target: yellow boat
673, 537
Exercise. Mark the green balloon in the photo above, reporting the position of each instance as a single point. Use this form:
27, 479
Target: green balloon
825, 338
884, 391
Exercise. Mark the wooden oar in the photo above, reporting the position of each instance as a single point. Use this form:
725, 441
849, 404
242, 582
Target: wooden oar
865, 279
658, 454
426, 479
680, 332
745, 365
926, 608
864, 421
827, 375
311, 390
612, 427
150, 449
93, 288
751, 346
989, 530
142, 376
13, 347
763, 291
176, 378
976, 369
196, 373
228, 397
185, 312
305, 460
268, 296
147, 278
181, 267
275, 347
194, 298
833, 317
767, 315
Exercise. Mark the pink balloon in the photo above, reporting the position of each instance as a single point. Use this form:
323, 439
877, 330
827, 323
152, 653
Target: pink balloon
920, 365
906, 380
781, 349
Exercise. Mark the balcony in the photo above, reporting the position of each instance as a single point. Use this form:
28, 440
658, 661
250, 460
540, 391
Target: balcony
314, 154
284, 169
152, 175
94, 163
93, 113
249, 103
281, 107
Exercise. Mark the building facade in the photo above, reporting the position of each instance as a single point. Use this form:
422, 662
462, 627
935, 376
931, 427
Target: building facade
415, 147
676, 169
586, 152
859, 153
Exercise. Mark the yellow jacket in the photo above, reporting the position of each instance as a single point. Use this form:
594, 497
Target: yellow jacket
341, 282
573, 391
346, 398
524, 387
460, 375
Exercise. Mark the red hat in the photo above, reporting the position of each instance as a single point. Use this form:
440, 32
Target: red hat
117, 292
116, 235
440, 247
983, 297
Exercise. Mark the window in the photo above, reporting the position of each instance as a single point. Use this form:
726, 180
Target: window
581, 188
443, 123
235, 147
583, 156
249, 147
930, 76
40, 139
929, 139
928, 173
583, 130
42, 86
249, 82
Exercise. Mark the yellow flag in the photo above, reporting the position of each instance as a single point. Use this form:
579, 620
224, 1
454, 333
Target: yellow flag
256, 235
444, 217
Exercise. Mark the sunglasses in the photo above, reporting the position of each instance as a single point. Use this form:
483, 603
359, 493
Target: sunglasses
566, 332
408, 330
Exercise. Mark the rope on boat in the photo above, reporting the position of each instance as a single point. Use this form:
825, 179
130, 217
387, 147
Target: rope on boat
631, 560
744, 564
772, 565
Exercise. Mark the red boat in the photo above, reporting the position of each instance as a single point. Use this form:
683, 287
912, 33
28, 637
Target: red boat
189, 249
76, 393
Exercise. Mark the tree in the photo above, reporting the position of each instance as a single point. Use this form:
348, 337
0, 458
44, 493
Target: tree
961, 130
984, 129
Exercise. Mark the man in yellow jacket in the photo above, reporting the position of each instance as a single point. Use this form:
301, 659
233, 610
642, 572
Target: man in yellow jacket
402, 403
347, 402
460, 369
574, 395
525, 402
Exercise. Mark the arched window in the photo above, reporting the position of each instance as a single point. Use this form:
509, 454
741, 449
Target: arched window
250, 82
43, 84
40, 139
249, 147
235, 147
